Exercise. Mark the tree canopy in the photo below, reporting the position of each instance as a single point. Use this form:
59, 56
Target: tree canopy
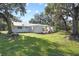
64, 10
6, 10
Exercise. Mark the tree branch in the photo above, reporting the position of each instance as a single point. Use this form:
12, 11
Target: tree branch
68, 10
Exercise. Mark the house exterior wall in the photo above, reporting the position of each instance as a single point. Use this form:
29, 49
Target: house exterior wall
35, 29
15, 29
27, 29
23, 29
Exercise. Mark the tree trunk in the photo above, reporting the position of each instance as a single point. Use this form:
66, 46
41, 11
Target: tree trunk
75, 22
75, 26
74, 34
8, 21
65, 24
9, 26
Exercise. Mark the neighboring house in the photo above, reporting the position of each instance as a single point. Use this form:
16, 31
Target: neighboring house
36, 28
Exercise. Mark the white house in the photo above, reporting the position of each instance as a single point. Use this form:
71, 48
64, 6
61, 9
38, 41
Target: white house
36, 28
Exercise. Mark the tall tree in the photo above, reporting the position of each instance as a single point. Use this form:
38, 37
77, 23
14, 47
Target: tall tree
58, 12
67, 9
6, 10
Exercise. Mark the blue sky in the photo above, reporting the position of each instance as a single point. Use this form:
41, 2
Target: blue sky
32, 9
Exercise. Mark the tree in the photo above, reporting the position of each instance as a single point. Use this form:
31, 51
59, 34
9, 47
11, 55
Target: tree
16, 19
36, 19
58, 12
67, 9
7, 9
42, 19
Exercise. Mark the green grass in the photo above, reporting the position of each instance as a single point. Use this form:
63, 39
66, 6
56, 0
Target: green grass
32, 44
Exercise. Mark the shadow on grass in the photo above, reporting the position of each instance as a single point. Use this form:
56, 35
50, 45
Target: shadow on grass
28, 46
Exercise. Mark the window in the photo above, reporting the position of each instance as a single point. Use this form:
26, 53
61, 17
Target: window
19, 27
27, 27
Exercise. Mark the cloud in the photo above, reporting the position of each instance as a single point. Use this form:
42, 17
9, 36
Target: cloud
45, 5
28, 11
36, 11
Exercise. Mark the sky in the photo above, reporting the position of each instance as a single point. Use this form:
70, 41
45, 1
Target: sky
32, 9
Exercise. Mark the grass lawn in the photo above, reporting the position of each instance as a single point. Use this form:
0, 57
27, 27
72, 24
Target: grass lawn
38, 44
